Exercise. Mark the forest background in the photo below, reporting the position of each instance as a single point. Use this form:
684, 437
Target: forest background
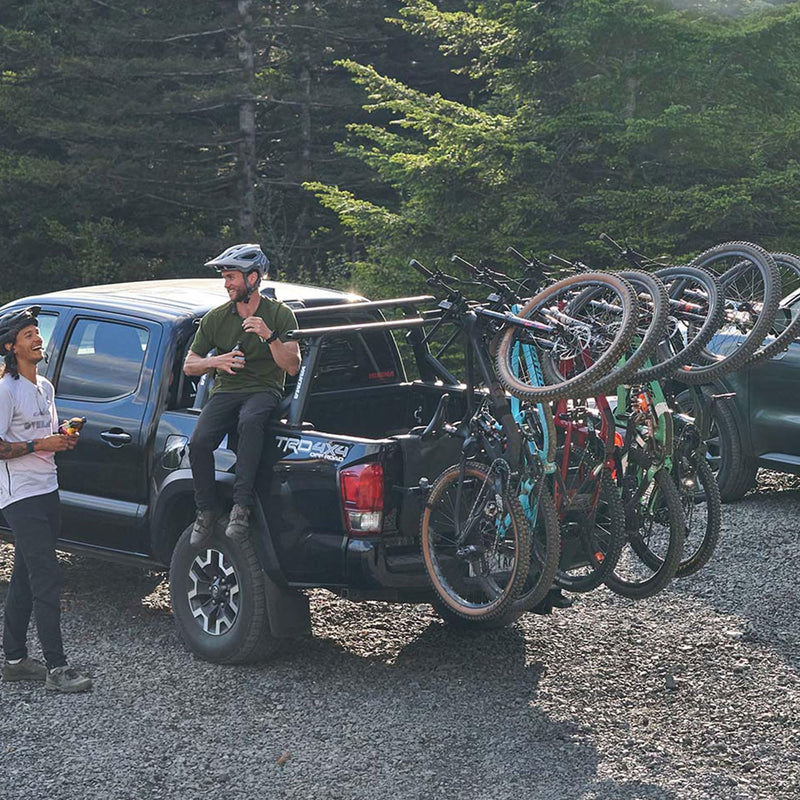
137, 138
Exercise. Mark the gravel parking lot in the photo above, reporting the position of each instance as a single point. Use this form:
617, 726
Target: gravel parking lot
692, 694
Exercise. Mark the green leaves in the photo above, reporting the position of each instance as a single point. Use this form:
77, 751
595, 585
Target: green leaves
671, 129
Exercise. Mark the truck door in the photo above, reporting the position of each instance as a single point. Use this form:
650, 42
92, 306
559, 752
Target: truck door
104, 373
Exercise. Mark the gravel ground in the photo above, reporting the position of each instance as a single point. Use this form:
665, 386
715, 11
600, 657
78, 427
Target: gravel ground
692, 694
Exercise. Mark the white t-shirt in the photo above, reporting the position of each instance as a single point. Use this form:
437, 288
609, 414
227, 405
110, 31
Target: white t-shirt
27, 412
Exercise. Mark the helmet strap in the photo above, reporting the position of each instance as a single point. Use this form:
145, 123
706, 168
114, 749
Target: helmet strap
248, 288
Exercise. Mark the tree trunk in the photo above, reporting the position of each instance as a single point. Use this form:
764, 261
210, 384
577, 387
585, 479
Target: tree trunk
247, 124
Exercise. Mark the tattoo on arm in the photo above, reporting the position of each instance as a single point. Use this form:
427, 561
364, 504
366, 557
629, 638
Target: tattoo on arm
12, 449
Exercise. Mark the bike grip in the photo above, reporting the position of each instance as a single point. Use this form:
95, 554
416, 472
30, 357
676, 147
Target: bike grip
456, 259
512, 251
421, 268
604, 237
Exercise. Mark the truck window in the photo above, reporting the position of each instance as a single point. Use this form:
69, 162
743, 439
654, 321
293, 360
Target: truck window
103, 359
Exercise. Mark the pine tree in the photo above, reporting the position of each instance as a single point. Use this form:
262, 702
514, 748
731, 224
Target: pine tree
672, 129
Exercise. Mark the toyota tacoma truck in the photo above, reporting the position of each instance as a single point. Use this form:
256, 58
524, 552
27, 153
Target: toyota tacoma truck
340, 481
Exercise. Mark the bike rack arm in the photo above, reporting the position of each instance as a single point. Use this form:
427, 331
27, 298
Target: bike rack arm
367, 305
321, 333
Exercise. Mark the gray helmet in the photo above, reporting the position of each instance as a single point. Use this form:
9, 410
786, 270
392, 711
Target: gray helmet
243, 257
13, 322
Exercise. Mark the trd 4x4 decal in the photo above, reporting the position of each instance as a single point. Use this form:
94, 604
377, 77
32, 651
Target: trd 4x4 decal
330, 451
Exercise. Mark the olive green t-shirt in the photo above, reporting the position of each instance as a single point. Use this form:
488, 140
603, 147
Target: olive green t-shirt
221, 328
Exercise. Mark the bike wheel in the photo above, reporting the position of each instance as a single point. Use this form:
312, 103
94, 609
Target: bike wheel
787, 320
545, 549
655, 525
591, 546
702, 508
751, 283
578, 351
696, 310
651, 329
475, 542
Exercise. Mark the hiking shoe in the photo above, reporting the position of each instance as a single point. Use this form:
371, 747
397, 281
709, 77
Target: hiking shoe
238, 523
203, 529
29, 669
67, 680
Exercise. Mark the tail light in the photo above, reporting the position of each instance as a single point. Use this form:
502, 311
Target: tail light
362, 498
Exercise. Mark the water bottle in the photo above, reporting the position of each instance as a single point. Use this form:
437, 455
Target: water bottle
237, 348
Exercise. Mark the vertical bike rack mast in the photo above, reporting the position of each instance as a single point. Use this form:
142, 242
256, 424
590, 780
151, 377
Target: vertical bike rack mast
316, 337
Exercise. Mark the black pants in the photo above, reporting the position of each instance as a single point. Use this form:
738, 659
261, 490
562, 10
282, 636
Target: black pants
36, 580
217, 418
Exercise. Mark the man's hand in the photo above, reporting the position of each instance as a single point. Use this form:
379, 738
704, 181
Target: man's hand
229, 362
56, 443
257, 326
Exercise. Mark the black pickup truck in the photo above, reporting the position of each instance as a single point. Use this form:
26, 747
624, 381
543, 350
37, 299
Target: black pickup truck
339, 486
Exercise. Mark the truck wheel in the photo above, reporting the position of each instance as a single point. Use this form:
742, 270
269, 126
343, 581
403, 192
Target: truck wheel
735, 469
218, 600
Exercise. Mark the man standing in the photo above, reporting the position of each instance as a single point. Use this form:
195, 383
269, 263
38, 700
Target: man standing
250, 368
29, 501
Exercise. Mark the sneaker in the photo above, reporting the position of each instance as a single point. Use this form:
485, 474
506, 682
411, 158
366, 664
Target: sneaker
68, 680
29, 669
238, 523
203, 529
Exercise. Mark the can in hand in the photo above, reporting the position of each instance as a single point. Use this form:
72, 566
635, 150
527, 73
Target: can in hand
69, 427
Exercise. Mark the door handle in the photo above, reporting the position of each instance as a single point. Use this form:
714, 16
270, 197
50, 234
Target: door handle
116, 437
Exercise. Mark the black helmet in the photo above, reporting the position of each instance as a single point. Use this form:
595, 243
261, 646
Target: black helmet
14, 321
243, 257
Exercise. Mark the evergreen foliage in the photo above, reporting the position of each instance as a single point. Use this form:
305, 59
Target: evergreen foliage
139, 138
667, 128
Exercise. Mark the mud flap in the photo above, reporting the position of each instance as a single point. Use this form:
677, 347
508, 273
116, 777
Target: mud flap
288, 611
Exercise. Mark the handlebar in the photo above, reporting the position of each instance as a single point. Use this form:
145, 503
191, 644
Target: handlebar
578, 266
486, 275
421, 268
636, 260
437, 278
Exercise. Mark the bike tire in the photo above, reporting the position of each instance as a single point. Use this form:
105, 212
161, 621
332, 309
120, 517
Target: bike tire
609, 346
652, 328
598, 551
685, 337
789, 268
728, 350
473, 597
700, 544
632, 577
545, 549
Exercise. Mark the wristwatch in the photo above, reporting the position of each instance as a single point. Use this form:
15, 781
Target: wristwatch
271, 338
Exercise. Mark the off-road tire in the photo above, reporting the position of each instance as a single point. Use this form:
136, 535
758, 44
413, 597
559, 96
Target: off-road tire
246, 638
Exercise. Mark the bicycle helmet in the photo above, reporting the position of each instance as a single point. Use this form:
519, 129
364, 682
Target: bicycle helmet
243, 257
13, 322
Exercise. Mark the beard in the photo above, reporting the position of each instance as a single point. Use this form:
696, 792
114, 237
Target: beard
238, 294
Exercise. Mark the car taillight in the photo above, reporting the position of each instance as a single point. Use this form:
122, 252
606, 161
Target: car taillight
362, 498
